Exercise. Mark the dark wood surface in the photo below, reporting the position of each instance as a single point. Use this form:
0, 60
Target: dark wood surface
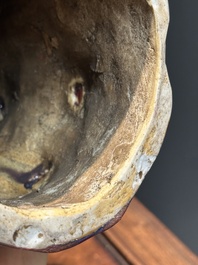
138, 239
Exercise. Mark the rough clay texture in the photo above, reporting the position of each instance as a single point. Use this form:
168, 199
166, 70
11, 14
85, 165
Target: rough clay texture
110, 182
108, 48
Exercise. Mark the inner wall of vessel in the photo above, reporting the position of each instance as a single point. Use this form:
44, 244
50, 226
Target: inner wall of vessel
68, 72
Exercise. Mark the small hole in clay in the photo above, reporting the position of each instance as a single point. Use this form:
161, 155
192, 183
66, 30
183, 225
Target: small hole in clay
78, 92
40, 235
140, 174
15, 235
2, 108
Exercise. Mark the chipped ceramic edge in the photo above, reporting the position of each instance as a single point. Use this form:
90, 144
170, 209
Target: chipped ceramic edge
40, 229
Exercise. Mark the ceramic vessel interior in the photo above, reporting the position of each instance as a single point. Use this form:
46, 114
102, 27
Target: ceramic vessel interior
84, 105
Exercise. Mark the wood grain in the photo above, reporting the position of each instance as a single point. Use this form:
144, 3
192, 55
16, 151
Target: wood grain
90, 252
144, 240
138, 239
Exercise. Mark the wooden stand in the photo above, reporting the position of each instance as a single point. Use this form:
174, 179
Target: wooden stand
138, 239
13, 256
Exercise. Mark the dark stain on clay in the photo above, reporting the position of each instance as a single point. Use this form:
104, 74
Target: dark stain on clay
31, 177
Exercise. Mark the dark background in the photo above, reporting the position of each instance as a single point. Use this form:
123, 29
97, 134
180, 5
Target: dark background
170, 189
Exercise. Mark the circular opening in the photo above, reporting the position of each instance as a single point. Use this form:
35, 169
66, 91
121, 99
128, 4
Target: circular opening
68, 73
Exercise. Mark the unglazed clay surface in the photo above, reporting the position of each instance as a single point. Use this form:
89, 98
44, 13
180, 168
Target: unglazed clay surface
84, 105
